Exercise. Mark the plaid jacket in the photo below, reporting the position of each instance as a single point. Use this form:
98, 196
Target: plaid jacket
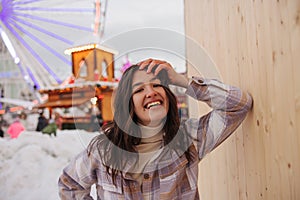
170, 175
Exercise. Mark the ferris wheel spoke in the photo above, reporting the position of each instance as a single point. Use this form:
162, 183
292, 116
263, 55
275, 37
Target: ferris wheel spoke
76, 10
32, 77
27, 73
42, 30
25, 2
40, 42
43, 19
29, 48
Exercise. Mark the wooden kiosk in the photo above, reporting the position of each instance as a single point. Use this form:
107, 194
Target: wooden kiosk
92, 83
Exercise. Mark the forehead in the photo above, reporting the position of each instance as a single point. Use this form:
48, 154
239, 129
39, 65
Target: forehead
142, 76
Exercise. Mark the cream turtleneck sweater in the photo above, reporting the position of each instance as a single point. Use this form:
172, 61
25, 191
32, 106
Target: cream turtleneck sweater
148, 149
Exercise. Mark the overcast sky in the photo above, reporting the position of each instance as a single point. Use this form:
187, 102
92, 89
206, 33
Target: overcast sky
126, 21
127, 15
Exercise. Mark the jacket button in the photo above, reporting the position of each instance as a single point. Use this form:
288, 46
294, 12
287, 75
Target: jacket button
146, 176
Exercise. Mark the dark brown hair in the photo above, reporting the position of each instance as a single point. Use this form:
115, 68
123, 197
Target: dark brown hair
122, 134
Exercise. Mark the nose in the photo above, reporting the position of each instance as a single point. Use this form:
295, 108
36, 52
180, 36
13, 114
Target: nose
150, 92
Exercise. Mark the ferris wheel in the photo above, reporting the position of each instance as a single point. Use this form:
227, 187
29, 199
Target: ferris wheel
37, 32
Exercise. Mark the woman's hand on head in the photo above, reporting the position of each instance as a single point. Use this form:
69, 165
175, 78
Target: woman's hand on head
174, 77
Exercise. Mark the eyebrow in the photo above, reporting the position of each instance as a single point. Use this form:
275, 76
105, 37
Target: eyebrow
140, 83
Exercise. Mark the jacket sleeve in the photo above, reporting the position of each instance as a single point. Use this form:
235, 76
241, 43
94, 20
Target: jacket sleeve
77, 178
229, 106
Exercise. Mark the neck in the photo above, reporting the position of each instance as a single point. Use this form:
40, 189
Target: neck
148, 131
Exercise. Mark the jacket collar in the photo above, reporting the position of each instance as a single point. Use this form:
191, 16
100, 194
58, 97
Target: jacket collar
168, 162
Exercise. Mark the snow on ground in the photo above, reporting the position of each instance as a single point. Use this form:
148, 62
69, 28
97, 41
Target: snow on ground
31, 164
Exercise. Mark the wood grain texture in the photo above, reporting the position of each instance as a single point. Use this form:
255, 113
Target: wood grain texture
254, 45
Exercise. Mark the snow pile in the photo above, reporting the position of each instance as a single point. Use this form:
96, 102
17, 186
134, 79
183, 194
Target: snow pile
31, 164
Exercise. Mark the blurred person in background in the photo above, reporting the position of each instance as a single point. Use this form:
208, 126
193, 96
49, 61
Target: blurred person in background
58, 120
1, 131
15, 129
42, 122
50, 128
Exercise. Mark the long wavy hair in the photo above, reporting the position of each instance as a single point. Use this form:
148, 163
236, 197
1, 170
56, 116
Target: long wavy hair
122, 134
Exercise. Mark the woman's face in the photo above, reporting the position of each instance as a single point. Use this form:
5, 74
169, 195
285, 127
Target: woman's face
150, 102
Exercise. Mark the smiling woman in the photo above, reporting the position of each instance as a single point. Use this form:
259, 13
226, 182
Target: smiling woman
147, 152
149, 99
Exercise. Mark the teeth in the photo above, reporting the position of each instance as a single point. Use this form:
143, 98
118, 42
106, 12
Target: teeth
153, 104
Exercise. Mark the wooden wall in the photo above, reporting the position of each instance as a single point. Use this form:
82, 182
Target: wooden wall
255, 44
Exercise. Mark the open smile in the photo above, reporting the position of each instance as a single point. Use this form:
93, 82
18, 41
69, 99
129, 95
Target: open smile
153, 104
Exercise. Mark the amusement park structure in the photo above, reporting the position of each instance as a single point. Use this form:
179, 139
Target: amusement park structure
37, 32
91, 85
34, 35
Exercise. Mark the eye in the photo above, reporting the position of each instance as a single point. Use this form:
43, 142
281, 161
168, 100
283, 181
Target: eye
157, 85
138, 90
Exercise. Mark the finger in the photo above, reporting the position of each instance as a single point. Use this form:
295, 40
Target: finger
161, 67
155, 63
158, 69
144, 63
151, 65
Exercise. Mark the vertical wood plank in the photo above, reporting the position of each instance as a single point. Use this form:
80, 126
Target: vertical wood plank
256, 46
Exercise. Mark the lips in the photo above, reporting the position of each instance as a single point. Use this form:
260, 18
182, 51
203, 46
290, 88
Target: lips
152, 104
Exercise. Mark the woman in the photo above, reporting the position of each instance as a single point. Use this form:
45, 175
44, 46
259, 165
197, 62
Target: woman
146, 152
